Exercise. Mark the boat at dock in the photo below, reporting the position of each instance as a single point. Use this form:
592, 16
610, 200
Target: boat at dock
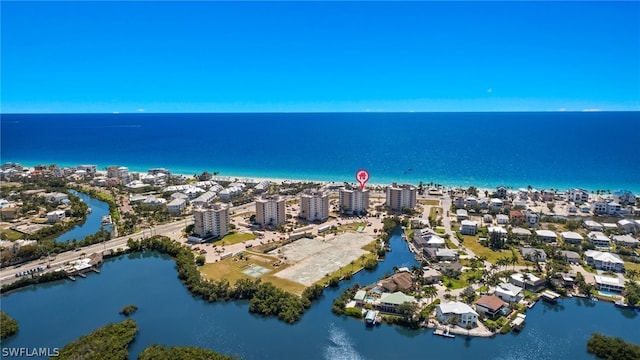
71, 277
444, 332
82, 275
550, 296
372, 318
518, 323
621, 304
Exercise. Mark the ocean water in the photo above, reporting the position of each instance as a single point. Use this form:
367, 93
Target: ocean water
594, 150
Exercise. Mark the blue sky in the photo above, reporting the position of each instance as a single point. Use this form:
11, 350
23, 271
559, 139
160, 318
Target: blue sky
203, 56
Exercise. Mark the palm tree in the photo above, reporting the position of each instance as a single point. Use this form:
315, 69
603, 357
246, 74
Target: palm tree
632, 273
430, 292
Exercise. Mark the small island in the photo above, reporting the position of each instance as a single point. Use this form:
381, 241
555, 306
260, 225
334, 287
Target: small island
128, 310
8, 326
611, 348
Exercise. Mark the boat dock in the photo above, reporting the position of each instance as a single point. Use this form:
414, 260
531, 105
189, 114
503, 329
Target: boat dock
518, 323
550, 296
444, 332
372, 318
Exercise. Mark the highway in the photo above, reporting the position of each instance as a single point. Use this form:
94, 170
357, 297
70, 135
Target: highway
172, 230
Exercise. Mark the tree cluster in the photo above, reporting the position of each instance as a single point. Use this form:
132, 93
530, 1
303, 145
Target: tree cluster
265, 298
108, 342
611, 348
8, 326
159, 352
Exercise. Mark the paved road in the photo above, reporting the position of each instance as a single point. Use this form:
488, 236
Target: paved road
7, 275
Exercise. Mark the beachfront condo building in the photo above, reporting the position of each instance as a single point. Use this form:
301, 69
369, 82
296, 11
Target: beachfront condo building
354, 201
270, 210
314, 205
401, 196
211, 222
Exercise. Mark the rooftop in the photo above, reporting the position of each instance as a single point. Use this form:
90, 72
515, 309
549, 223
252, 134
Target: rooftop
456, 307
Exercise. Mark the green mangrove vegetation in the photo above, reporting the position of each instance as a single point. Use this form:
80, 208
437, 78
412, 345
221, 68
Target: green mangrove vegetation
110, 342
8, 326
612, 348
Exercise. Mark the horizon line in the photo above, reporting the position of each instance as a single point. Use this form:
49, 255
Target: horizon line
322, 112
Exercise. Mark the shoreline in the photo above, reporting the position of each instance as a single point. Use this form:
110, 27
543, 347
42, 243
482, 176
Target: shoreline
480, 184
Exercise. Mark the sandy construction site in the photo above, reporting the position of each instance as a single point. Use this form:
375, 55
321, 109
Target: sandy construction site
312, 259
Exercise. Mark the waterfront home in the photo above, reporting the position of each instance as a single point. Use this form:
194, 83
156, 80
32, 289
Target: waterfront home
520, 204
624, 197
532, 218
521, 233
523, 194
571, 208
154, 201
609, 284
471, 201
585, 208
533, 254
528, 281
547, 195
599, 207
204, 199
492, 306
137, 185
9, 212
401, 281
546, 236
578, 196
468, 227
359, 297
572, 257
434, 241
629, 226
604, 260
592, 225
626, 240
565, 279
502, 219
431, 276
176, 206
462, 214
56, 197
483, 203
231, 191
501, 192
509, 292
461, 311
55, 216
570, 237
389, 302
599, 239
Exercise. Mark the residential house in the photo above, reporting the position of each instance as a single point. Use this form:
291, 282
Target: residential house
528, 281
521, 233
609, 284
624, 197
176, 206
534, 254
599, 239
401, 281
592, 225
483, 203
389, 302
502, 219
471, 201
468, 227
547, 195
492, 306
523, 194
487, 219
546, 236
501, 192
359, 297
532, 218
496, 203
604, 260
431, 276
458, 202
516, 217
626, 240
498, 229
204, 199
572, 257
570, 237
55, 216
613, 208
520, 204
9, 212
599, 207
578, 196
461, 311
585, 208
57, 197
462, 214
509, 292
571, 208
629, 226
565, 279
447, 255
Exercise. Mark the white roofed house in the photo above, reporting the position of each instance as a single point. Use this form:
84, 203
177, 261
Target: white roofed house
176, 206
509, 292
458, 202
613, 208
498, 230
521, 233
546, 236
502, 219
626, 240
204, 199
624, 197
630, 226
599, 239
446, 255
496, 203
532, 218
528, 281
593, 225
461, 214
462, 312
468, 227
193, 192
534, 254
578, 196
570, 237
599, 207
609, 284
389, 302
55, 216
604, 260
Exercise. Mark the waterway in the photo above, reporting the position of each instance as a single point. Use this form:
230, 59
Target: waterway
52, 315
93, 221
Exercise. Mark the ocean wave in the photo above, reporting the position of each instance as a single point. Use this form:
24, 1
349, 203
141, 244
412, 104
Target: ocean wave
340, 346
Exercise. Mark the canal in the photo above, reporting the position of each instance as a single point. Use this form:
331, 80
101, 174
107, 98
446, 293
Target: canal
93, 222
52, 315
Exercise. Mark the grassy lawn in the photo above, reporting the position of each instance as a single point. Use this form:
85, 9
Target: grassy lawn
11, 235
235, 238
231, 269
462, 280
351, 226
429, 202
433, 210
631, 266
370, 246
450, 244
471, 243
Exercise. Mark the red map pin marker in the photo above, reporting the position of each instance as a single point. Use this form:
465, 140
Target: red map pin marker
362, 176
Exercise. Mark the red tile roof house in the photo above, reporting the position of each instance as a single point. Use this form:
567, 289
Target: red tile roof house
492, 306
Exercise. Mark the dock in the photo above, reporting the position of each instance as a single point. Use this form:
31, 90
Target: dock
518, 323
443, 332
82, 275
550, 296
372, 318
